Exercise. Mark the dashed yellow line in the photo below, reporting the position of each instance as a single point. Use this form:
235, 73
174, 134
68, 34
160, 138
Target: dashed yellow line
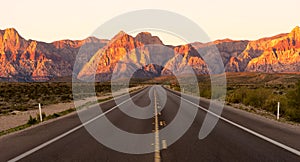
164, 144
156, 143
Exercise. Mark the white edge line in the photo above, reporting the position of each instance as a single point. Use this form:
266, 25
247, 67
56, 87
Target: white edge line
68, 132
290, 149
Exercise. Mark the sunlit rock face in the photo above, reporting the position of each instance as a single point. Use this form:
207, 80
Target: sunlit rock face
30, 60
278, 54
144, 55
126, 55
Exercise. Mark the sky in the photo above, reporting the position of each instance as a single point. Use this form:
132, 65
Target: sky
73, 19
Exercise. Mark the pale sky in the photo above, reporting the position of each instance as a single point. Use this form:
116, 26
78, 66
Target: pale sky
73, 19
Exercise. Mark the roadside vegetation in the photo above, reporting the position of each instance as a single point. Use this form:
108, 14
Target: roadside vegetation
35, 120
16, 97
258, 92
267, 98
27, 96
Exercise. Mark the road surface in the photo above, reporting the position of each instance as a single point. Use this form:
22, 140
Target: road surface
238, 136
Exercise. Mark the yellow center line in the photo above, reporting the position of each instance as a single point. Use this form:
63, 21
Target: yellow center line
156, 144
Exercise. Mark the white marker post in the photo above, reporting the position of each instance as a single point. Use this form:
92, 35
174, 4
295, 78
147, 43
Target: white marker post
40, 109
278, 106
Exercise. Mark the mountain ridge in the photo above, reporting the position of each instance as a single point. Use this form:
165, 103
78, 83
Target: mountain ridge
31, 60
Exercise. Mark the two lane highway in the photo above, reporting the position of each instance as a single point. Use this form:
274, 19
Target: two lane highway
67, 139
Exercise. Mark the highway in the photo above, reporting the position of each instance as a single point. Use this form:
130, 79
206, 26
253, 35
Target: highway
238, 135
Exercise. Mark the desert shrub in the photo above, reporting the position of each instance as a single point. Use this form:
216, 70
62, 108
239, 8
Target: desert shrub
256, 97
177, 88
38, 116
20, 107
293, 114
293, 110
294, 96
31, 120
205, 92
55, 115
237, 96
66, 98
271, 104
102, 88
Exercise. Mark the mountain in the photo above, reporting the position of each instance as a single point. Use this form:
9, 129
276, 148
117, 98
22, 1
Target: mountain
30, 60
279, 54
185, 55
125, 54
269, 55
142, 56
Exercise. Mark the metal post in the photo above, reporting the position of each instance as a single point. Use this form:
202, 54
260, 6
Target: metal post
40, 109
278, 106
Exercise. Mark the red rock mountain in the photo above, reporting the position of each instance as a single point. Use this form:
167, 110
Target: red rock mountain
29, 60
125, 54
280, 53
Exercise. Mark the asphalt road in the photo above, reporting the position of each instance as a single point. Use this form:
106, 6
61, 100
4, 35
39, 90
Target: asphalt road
238, 136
